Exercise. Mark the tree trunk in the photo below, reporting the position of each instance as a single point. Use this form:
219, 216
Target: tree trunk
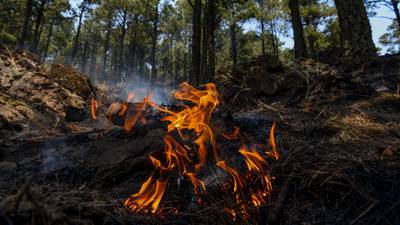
262, 36
196, 41
38, 23
154, 44
355, 32
93, 62
122, 46
275, 40
84, 58
141, 53
78, 31
395, 4
106, 48
204, 59
131, 55
310, 38
211, 40
46, 50
233, 44
300, 47
25, 27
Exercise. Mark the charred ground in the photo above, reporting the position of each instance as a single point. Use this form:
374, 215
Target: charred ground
338, 133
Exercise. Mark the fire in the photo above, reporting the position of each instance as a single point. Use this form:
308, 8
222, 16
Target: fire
148, 198
243, 184
93, 108
273, 153
195, 118
131, 112
192, 125
132, 116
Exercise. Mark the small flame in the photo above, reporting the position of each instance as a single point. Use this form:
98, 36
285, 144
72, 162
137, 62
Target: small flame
124, 106
198, 185
133, 116
273, 152
149, 196
93, 108
254, 161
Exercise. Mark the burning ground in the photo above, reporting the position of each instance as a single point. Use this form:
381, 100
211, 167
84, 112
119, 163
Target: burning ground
211, 156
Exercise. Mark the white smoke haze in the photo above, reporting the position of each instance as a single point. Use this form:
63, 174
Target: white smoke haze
160, 93
53, 157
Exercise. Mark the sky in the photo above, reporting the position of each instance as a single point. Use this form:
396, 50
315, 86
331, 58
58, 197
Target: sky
379, 24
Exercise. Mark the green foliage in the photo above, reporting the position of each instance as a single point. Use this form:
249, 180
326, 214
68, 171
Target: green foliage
7, 38
391, 39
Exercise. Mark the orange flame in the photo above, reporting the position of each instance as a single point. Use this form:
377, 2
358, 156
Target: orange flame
250, 189
124, 106
148, 197
131, 119
195, 118
273, 153
93, 108
254, 161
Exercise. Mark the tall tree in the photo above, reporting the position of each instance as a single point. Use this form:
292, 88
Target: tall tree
40, 8
211, 26
155, 23
300, 47
83, 7
196, 40
356, 32
25, 27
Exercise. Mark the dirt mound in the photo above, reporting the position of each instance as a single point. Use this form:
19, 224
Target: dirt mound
307, 82
33, 93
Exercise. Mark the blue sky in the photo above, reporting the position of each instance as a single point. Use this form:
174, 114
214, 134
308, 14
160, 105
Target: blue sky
379, 24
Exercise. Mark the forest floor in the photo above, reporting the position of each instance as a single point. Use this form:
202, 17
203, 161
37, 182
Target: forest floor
338, 133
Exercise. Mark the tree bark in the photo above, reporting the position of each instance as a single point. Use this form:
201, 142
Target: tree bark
121, 59
38, 23
355, 32
154, 44
196, 41
300, 47
211, 40
262, 25
233, 44
204, 57
25, 27
84, 58
49, 35
106, 48
131, 55
78, 31
275, 40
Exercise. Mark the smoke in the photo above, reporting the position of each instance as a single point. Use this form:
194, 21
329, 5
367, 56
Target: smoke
160, 93
53, 157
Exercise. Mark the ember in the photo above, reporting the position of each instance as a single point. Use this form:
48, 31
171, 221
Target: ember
250, 188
